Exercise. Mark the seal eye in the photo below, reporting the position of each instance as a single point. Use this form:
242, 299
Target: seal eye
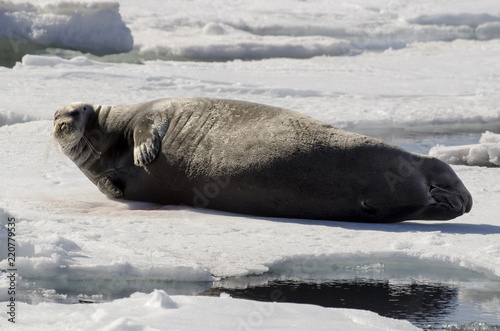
74, 113
84, 108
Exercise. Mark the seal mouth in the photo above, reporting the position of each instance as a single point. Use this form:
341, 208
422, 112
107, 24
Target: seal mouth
66, 134
456, 202
62, 128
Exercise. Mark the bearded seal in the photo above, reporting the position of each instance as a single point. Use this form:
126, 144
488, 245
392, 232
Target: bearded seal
253, 159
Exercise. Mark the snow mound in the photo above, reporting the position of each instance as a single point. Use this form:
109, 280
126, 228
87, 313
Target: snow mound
196, 313
486, 153
218, 41
160, 299
95, 27
11, 117
33, 60
488, 31
472, 20
477, 26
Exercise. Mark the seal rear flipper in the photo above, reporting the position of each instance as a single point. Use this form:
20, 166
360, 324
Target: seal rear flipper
147, 139
106, 186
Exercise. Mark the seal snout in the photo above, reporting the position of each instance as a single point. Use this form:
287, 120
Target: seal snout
61, 127
456, 201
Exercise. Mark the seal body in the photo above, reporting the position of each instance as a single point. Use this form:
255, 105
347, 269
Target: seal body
254, 159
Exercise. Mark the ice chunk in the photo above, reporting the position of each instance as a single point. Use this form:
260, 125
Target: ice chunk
486, 153
88, 27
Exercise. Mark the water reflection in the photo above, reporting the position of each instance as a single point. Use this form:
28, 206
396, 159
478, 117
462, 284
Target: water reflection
65, 290
450, 304
422, 303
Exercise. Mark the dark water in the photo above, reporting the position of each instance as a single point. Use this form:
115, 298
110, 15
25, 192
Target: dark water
424, 304
431, 306
454, 304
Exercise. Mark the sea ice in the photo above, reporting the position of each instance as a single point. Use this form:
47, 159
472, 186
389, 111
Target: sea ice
421, 71
486, 153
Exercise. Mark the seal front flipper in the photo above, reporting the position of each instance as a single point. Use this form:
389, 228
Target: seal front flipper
148, 135
106, 186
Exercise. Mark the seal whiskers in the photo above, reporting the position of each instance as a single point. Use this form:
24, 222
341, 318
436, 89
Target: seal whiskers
93, 150
50, 143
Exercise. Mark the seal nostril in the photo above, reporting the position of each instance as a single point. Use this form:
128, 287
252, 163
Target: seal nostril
62, 126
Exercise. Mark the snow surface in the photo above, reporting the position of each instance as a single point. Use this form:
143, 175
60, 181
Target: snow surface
158, 311
434, 71
241, 29
261, 29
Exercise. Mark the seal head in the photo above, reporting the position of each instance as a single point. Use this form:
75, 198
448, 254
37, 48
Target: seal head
70, 123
